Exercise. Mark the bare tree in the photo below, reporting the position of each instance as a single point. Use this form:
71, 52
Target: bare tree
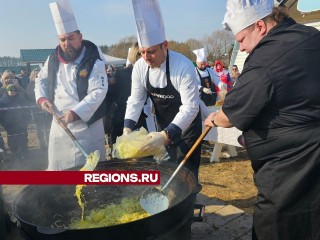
182, 48
121, 48
218, 44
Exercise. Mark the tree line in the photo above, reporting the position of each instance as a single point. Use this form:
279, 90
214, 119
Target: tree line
219, 45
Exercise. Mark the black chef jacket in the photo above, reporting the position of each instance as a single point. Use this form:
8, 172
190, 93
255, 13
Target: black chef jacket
276, 102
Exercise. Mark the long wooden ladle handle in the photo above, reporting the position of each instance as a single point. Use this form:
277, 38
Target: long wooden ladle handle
195, 145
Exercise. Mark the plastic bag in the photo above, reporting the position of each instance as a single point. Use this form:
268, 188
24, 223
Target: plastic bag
128, 146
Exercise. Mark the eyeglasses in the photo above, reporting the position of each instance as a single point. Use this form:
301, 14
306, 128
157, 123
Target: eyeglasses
12, 90
234, 69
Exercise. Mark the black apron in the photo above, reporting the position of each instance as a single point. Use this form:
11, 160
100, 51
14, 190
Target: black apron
208, 99
166, 108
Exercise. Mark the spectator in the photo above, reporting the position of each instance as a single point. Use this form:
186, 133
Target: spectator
15, 121
109, 71
223, 74
23, 78
234, 74
7, 78
42, 119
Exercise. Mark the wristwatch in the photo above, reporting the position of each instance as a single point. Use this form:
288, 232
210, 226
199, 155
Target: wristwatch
214, 122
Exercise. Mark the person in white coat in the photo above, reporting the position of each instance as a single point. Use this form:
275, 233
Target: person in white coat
74, 84
208, 80
168, 78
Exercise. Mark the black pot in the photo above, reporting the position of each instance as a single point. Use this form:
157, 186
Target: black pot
37, 207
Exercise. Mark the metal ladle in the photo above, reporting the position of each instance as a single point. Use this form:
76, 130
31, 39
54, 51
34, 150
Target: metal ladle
153, 200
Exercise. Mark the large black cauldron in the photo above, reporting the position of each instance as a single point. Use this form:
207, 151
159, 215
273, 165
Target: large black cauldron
37, 207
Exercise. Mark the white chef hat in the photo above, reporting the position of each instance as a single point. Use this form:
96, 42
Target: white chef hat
242, 13
201, 54
149, 22
128, 60
63, 17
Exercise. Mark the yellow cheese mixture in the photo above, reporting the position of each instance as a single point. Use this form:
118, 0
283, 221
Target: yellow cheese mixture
113, 214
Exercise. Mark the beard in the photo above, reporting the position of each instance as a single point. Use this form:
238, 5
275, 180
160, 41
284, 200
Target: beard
71, 54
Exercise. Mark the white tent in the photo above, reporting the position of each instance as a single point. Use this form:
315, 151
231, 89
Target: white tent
110, 60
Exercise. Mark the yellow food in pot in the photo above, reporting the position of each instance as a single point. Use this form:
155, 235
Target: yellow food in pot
91, 163
128, 210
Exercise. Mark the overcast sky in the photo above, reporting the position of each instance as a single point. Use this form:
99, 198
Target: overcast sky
28, 24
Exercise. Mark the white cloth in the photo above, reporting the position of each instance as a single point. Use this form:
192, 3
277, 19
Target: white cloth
227, 136
201, 55
62, 151
242, 13
64, 154
149, 22
183, 79
63, 17
204, 110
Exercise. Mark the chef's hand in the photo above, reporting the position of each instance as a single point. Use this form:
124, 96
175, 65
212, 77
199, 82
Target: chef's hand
207, 90
155, 140
126, 131
208, 121
69, 117
46, 105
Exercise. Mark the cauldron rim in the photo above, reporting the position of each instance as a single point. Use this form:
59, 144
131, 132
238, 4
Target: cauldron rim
141, 222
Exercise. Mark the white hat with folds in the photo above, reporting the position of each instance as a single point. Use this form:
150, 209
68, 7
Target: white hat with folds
201, 54
63, 17
242, 13
149, 22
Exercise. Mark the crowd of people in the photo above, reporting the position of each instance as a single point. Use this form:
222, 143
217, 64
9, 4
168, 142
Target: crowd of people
17, 109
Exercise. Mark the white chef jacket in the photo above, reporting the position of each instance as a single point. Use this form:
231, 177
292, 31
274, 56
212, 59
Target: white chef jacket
63, 153
183, 79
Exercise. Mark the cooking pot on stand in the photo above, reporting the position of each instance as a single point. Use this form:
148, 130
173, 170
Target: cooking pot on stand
38, 207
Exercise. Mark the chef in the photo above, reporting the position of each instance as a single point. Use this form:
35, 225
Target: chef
73, 82
169, 79
207, 79
275, 102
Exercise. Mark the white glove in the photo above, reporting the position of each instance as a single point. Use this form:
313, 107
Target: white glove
206, 90
154, 141
126, 131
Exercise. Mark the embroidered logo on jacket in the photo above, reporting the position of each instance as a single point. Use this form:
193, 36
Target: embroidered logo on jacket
83, 73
